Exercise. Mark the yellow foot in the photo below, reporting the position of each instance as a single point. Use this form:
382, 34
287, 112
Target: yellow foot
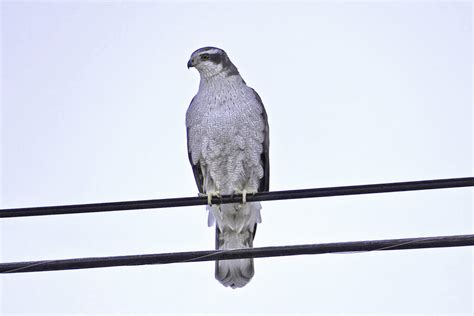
244, 195
210, 195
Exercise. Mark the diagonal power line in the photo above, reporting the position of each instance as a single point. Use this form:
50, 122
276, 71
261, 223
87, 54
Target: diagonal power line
210, 255
261, 196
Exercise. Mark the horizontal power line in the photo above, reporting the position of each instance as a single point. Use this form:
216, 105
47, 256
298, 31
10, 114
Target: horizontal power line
237, 198
211, 255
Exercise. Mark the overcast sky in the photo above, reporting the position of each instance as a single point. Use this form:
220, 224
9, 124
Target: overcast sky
93, 100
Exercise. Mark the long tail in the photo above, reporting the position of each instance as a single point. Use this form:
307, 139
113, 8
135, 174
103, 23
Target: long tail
236, 225
238, 272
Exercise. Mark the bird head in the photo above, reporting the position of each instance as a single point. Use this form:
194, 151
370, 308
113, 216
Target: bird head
210, 61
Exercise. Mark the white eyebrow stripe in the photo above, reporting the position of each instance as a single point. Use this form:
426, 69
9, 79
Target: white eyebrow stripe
210, 51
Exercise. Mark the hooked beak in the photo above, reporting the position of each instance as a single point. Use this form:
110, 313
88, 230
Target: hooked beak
190, 63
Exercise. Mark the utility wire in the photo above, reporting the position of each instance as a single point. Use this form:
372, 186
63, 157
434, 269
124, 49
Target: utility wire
211, 255
237, 198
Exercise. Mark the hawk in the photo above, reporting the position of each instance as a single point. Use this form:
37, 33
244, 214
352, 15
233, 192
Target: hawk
227, 136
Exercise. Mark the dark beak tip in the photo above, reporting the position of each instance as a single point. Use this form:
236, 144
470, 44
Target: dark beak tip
190, 64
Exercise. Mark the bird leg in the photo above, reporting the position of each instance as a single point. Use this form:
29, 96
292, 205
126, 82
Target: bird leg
209, 196
244, 193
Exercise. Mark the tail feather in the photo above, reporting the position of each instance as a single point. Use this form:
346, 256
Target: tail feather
234, 273
236, 225
238, 272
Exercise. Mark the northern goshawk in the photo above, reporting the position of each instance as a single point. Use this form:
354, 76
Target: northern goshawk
228, 140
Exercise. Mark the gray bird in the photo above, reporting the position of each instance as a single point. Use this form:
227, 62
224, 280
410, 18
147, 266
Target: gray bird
227, 133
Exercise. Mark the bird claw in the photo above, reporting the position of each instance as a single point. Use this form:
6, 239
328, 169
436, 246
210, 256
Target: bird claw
244, 193
210, 195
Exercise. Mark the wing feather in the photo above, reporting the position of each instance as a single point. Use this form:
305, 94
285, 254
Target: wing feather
197, 170
265, 156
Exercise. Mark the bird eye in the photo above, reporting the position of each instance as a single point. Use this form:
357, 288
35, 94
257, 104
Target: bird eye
204, 56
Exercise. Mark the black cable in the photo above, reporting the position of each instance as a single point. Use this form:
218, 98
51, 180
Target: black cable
210, 255
261, 196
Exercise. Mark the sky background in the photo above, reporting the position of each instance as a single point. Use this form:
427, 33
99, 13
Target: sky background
93, 100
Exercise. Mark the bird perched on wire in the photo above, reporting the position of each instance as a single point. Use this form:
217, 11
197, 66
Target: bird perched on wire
228, 141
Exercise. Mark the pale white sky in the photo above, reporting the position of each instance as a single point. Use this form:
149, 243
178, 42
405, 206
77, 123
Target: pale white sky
93, 101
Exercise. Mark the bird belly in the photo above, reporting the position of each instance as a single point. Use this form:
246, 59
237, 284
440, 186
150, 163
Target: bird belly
231, 155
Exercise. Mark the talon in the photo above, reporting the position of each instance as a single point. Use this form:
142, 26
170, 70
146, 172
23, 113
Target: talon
210, 195
244, 196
